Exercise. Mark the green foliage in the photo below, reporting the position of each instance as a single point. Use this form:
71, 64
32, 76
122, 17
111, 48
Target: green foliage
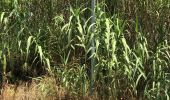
131, 43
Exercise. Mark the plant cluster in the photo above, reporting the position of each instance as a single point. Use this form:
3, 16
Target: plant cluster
54, 37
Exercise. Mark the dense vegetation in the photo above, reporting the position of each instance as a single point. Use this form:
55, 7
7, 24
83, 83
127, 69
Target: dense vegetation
53, 38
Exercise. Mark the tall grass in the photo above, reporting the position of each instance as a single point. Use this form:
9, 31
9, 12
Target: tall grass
131, 40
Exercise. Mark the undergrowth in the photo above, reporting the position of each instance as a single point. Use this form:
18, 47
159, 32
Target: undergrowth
131, 47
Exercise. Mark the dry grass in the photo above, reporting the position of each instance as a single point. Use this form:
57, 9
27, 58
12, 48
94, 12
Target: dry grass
44, 89
39, 89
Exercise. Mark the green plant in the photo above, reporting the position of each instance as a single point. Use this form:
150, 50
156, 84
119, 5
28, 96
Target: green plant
131, 43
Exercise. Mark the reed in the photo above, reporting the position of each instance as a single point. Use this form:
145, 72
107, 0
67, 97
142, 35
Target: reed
131, 41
